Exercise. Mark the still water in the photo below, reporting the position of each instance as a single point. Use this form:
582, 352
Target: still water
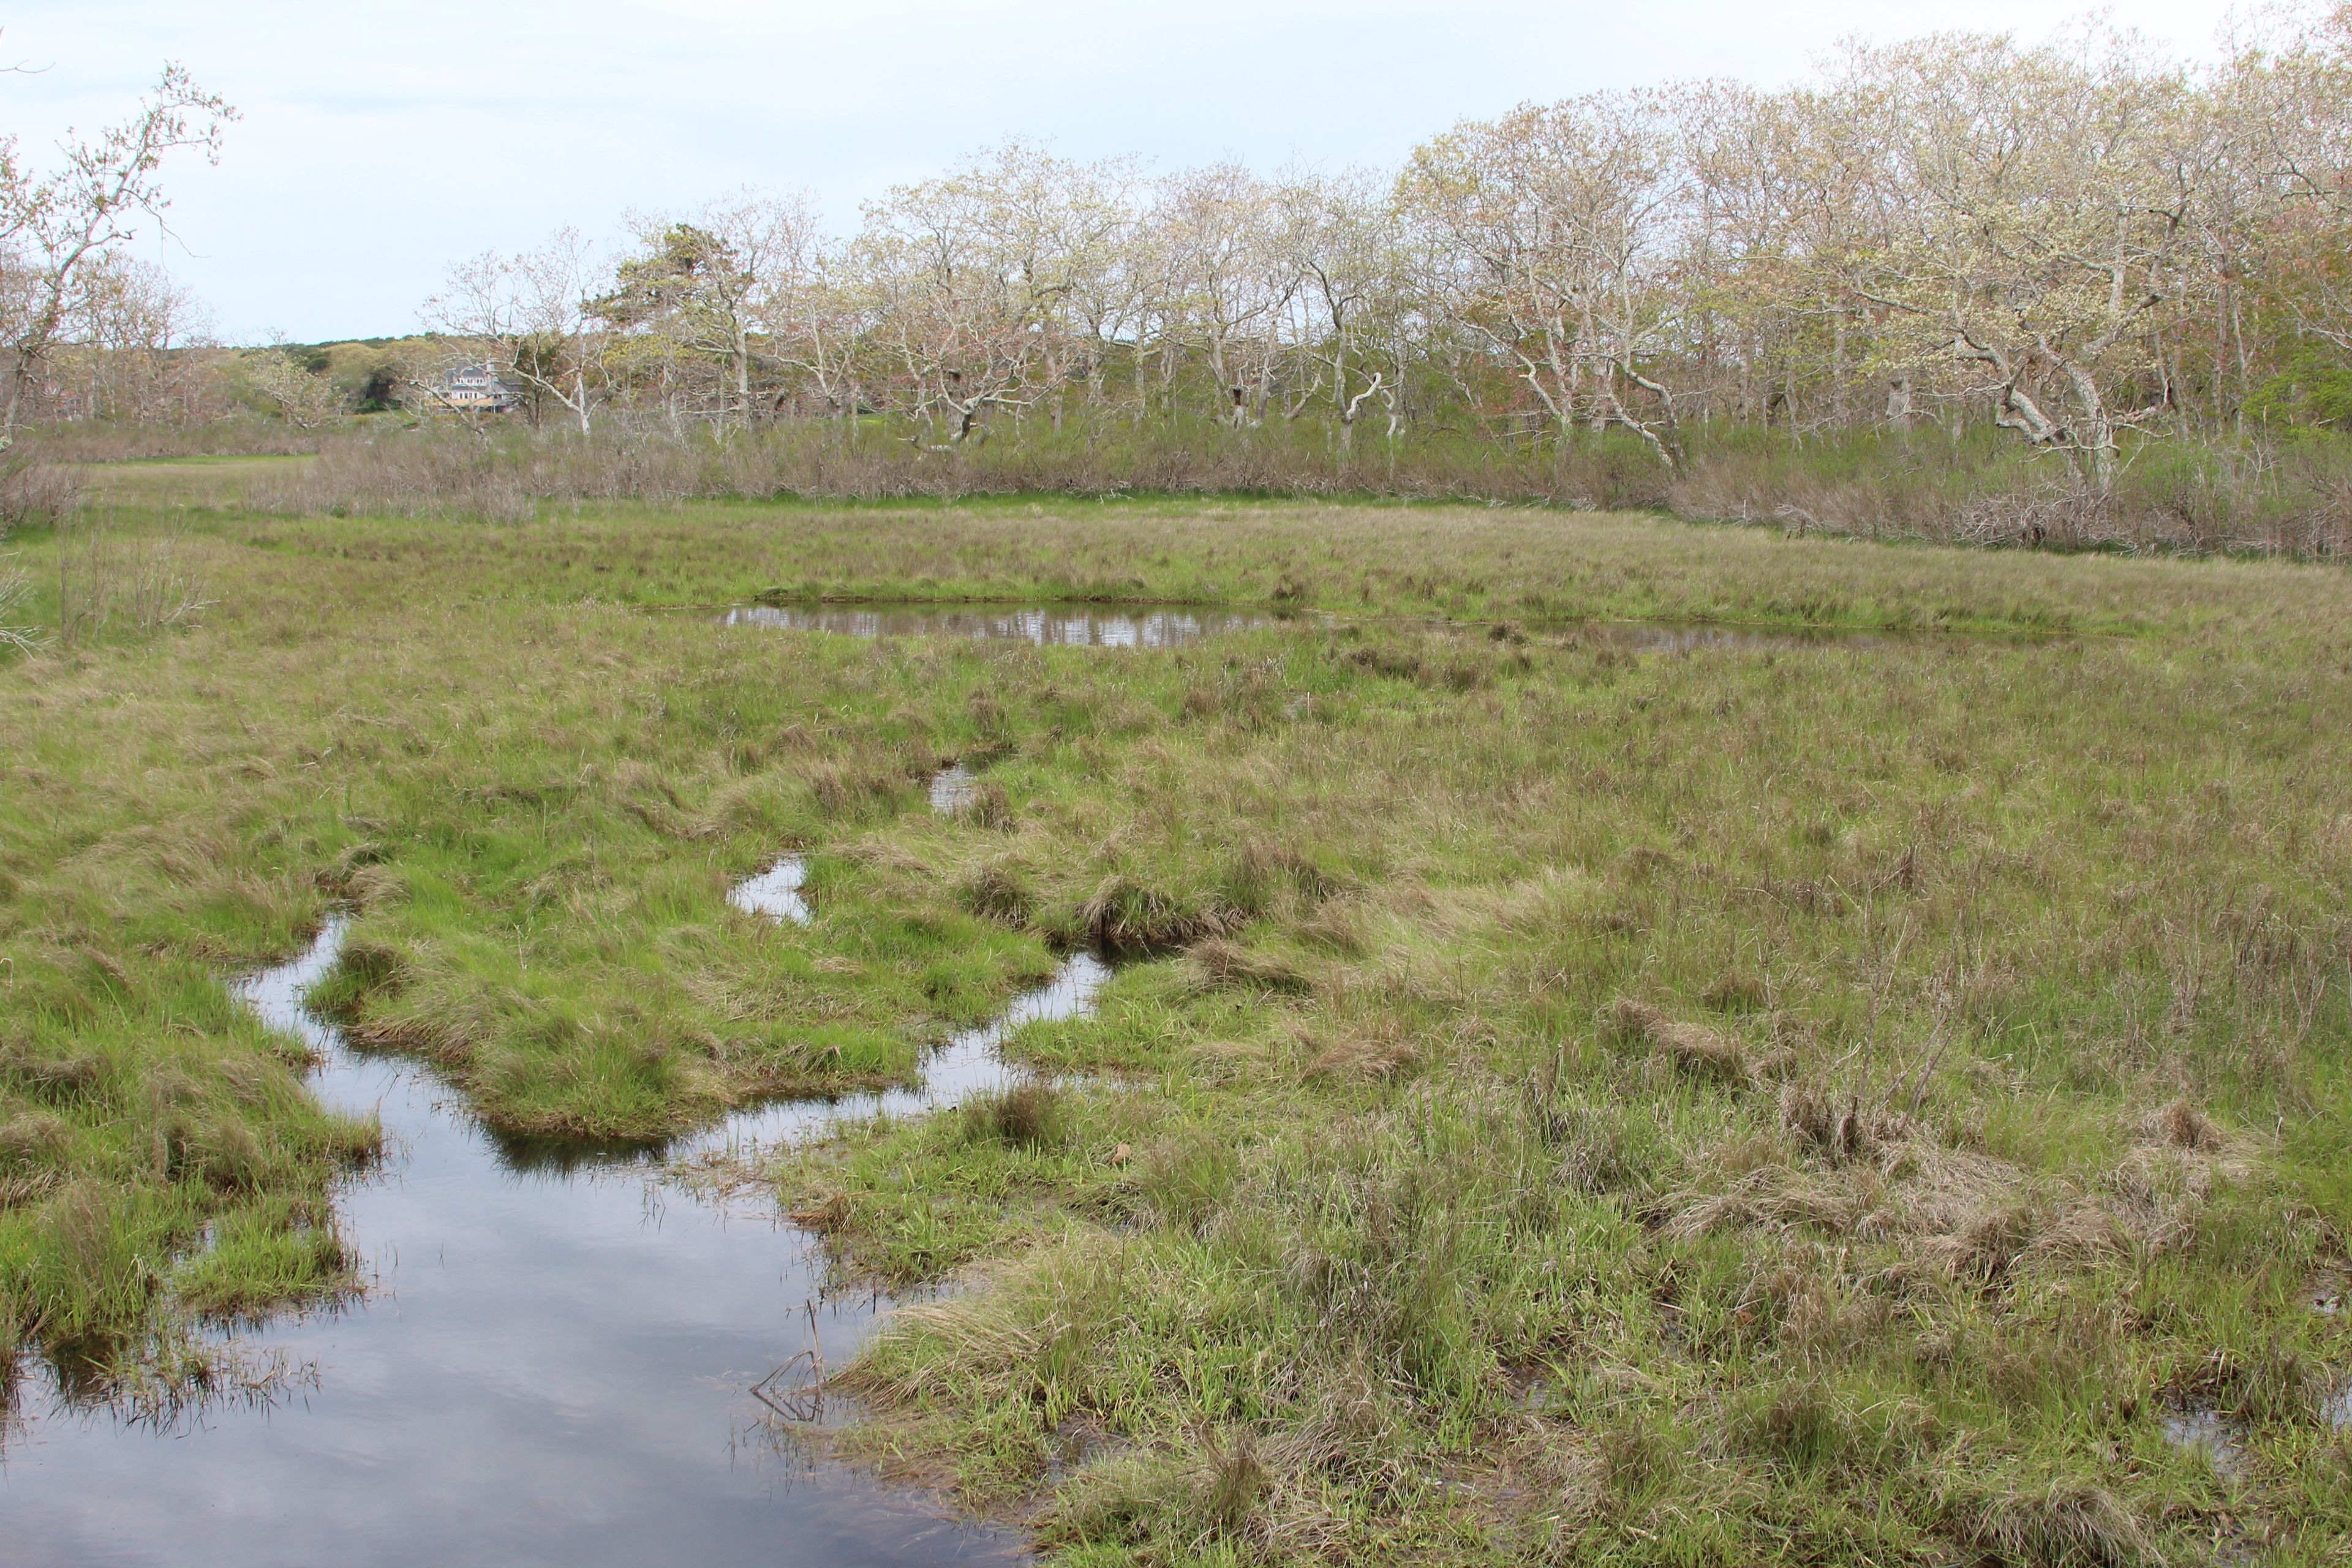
953, 790
1179, 625
554, 1364
1077, 626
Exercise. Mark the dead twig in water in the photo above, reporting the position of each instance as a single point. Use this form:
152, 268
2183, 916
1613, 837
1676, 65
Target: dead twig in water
805, 1403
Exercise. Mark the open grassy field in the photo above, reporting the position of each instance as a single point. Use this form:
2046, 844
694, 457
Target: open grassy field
1818, 1099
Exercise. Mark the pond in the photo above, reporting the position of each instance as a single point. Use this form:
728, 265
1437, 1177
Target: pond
554, 1364
1180, 626
1054, 625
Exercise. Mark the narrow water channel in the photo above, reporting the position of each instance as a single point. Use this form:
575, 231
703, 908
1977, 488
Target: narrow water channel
554, 1364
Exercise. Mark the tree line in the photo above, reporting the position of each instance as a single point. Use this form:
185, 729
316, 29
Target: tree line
2073, 244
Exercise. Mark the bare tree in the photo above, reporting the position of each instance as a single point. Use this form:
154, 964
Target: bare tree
1553, 230
54, 228
1224, 277
1346, 252
1789, 199
968, 279
2081, 245
2045, 225
136, 345
2276, 210
529, 316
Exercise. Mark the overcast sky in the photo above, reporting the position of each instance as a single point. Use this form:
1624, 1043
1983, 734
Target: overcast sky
380, 143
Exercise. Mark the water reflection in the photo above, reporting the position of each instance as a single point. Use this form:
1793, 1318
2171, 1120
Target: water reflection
953, 790
2208, 1433
1178, 626
554, 1365
774, 892
966, 1064
1042, 625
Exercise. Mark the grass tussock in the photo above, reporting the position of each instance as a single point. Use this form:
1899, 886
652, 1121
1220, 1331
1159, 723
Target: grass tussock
1695, 1049
1221, 963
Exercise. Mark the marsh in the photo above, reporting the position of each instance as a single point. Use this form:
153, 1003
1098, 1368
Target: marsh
1693, 1096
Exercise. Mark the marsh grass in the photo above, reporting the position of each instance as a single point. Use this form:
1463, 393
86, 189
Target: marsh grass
35, 494
17, 635
2185, 492
1796, 1099
113, 584
127, 440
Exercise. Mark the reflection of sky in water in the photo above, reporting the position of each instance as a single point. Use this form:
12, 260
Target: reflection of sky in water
1055, 627
966, 1065
1176, 627
2205, 1432
774, 892
953, 789
552, 1368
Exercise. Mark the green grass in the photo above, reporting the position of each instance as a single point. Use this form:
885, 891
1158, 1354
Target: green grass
1813, 1100
1382, 561
2271, 489
208, 480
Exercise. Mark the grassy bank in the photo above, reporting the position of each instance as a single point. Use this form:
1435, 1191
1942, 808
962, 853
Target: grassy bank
2284, 492
1818, 1099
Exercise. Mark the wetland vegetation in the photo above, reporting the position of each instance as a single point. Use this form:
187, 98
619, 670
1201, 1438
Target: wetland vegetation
1780, 1097
1283, 978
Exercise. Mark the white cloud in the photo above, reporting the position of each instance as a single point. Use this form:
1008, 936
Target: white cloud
379, 143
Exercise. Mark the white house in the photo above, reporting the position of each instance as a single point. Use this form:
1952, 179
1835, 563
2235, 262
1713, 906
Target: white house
475, 389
